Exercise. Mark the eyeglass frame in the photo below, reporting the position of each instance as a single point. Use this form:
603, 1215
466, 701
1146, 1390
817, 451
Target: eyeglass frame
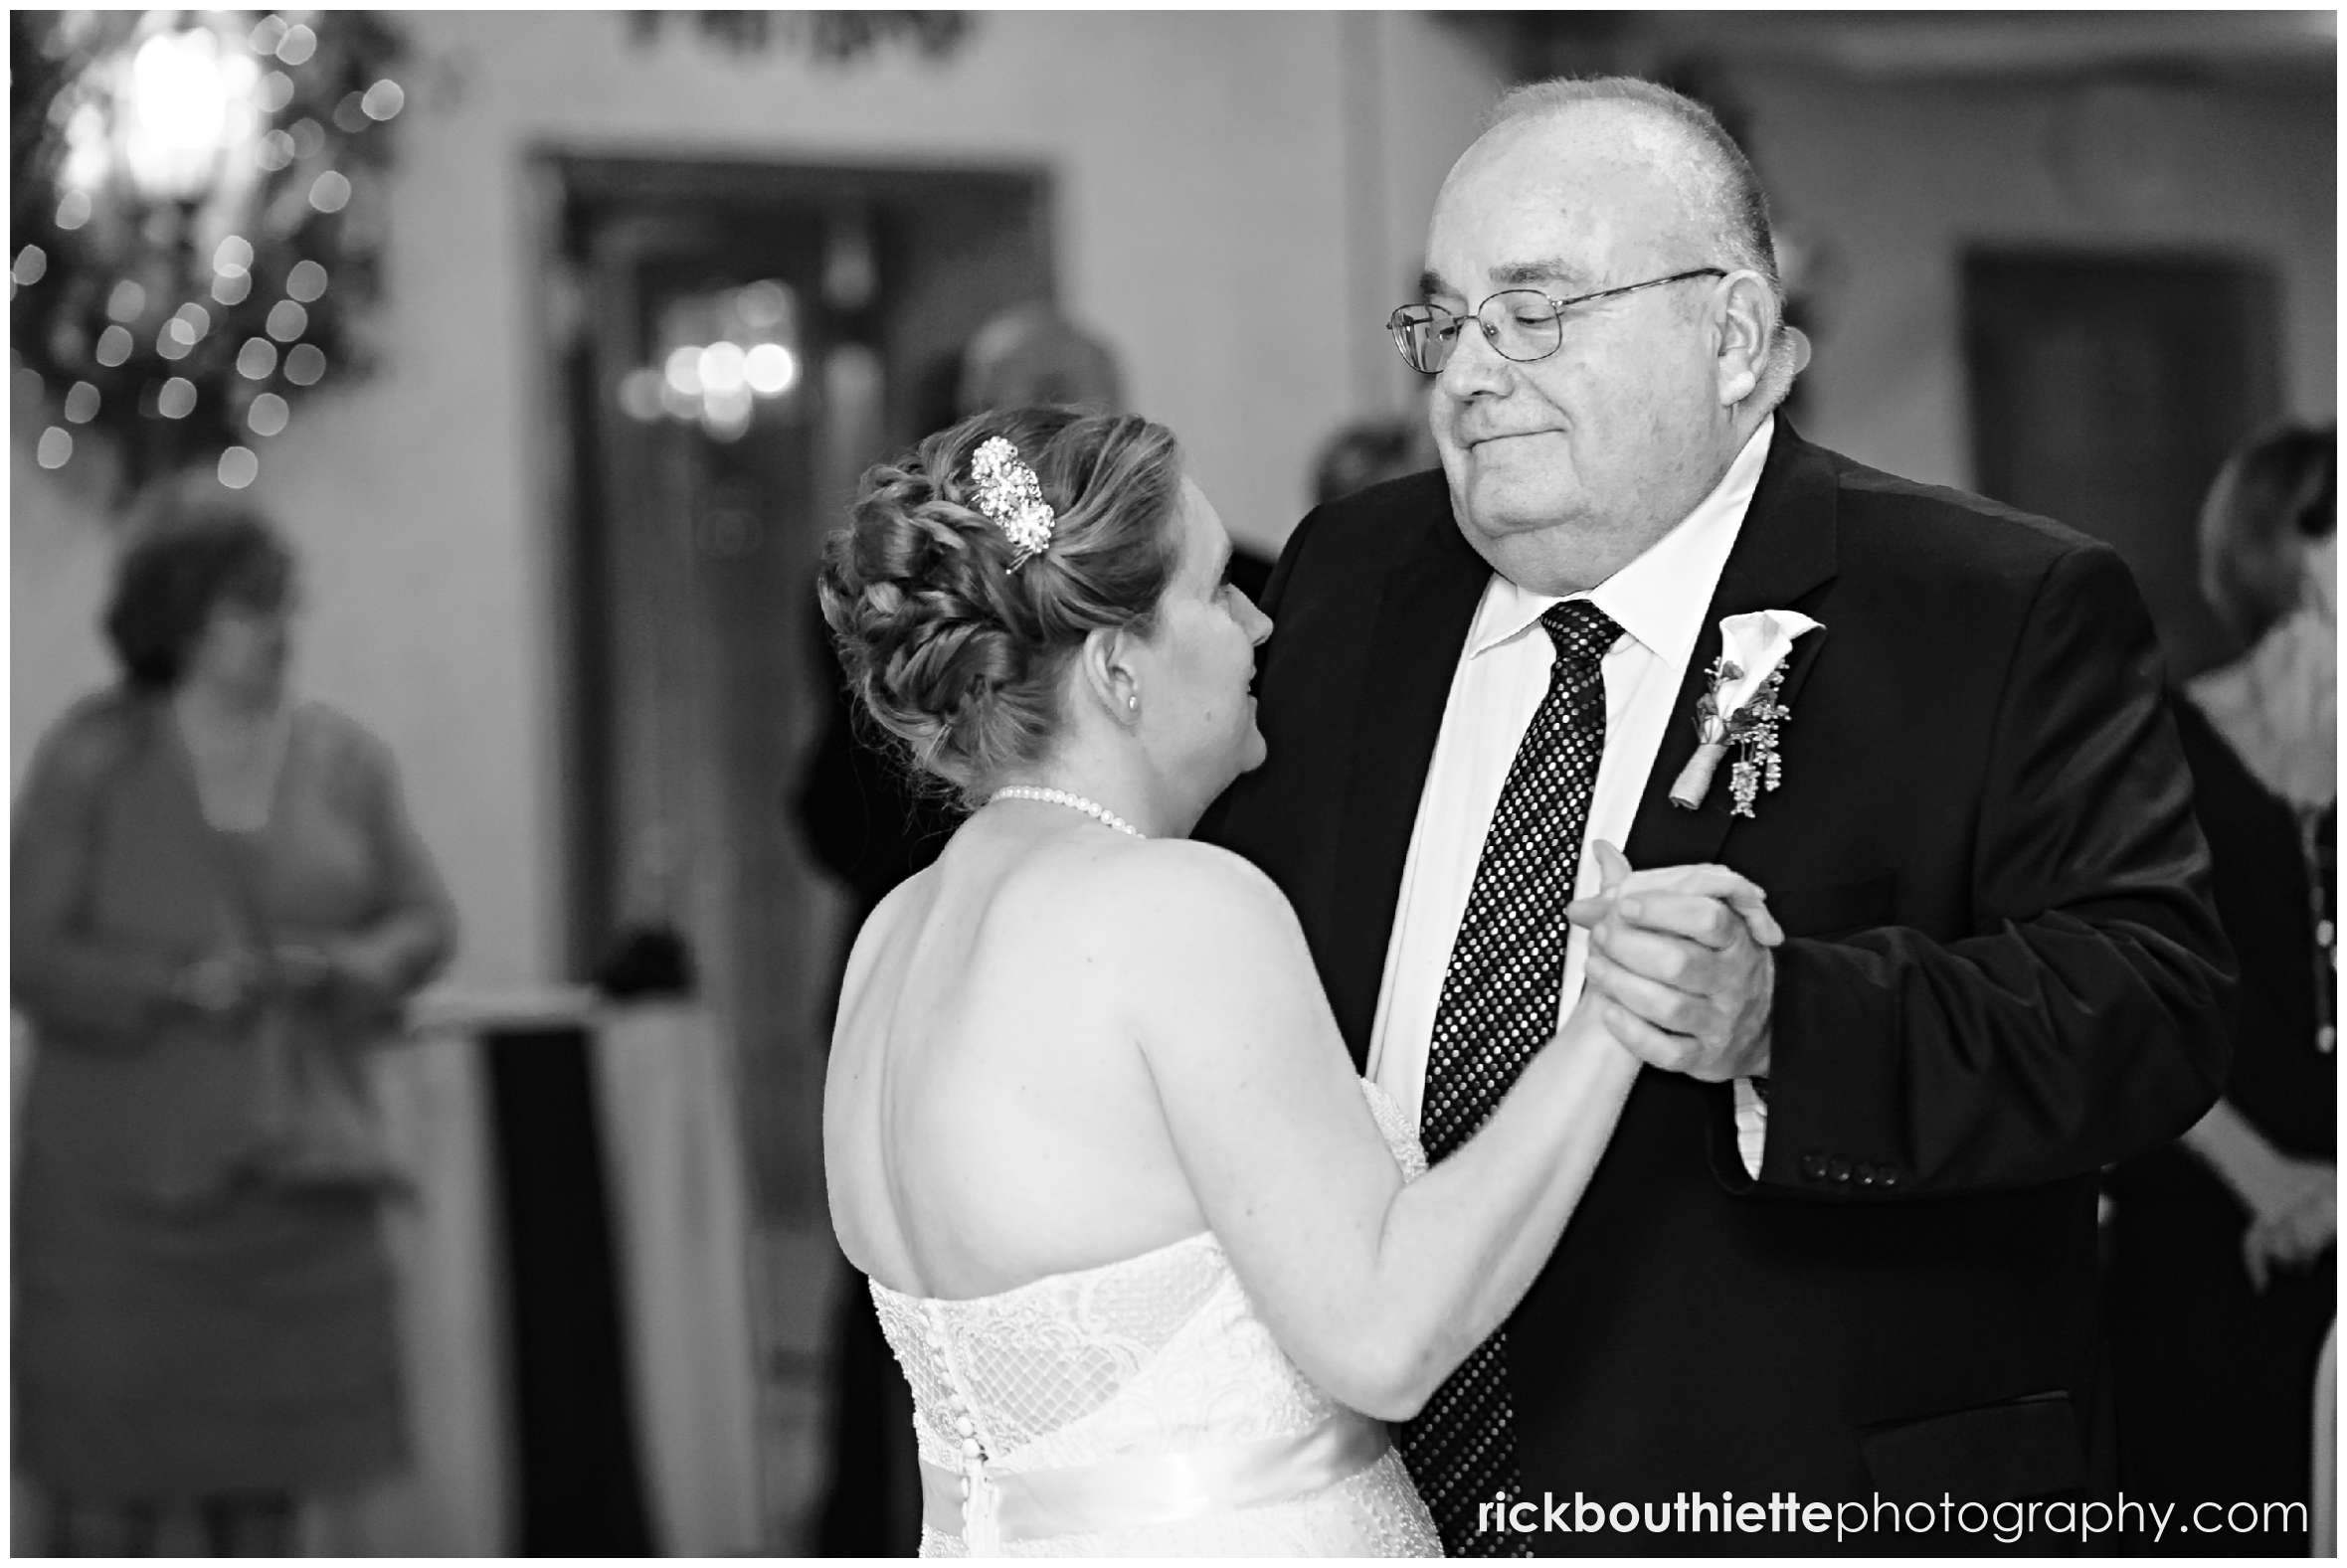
1556, 309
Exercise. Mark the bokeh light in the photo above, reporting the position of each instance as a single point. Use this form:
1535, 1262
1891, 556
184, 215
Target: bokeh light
384, 100
82, 404
306, 281
287, 322
640, 394
267, 415
239, 467
177, 400
771, 369
304, 364
257, 359
722, 369
55, 448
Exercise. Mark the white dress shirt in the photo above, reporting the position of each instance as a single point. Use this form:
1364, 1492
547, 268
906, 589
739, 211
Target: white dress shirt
1658, 601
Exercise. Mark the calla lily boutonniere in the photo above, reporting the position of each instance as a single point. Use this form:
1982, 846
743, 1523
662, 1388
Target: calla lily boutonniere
1740, 709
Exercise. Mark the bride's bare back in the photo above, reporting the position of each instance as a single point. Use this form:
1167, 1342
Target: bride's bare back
989, 1118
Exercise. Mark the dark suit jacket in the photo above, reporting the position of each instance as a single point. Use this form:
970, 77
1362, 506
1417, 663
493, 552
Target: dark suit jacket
2003, 973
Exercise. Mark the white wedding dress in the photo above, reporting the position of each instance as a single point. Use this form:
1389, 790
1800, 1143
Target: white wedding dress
1143, 1408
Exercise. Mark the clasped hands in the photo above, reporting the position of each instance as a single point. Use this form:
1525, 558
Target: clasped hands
1680, 960
230, 983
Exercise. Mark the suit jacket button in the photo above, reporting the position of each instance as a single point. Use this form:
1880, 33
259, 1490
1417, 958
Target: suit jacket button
1814, 1166
1839, 1169
1888, 1177
1866, 1176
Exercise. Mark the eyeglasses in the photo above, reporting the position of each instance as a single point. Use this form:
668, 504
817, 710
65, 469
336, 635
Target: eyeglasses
1529, 325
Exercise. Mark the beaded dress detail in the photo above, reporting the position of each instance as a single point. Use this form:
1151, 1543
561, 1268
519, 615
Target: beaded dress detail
1116, 1370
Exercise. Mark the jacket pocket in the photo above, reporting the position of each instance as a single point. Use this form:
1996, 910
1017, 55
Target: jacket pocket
2024, 1448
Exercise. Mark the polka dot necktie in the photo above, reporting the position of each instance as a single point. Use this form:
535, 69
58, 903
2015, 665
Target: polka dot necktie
1498, 1007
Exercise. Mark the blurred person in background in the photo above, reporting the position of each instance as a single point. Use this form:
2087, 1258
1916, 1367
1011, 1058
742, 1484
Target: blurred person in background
1370, 452
2224, 1244
218, 907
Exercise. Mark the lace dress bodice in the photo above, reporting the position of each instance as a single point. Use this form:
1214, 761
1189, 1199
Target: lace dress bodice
1157, 1354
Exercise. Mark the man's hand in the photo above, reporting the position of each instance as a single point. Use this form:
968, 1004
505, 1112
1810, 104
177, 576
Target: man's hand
2294, 1219
1681, 956
218, 987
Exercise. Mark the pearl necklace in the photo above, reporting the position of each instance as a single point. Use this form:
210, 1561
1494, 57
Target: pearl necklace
1074, 802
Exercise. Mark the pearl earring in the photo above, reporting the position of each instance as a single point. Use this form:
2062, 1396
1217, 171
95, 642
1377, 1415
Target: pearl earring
1133, 703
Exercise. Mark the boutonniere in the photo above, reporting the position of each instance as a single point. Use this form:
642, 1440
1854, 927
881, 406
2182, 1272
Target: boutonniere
1740, 709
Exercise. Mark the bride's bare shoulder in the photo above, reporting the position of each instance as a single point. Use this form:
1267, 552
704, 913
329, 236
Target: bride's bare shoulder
1180, 889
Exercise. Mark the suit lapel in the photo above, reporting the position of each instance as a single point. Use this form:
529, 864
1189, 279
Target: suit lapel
1422, 615
1784, 551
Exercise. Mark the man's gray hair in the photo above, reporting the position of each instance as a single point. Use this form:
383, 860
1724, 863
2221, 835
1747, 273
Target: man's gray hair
1716, 179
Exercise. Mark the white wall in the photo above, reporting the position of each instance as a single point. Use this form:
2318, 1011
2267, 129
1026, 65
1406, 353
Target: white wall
1898, 178
1203, 225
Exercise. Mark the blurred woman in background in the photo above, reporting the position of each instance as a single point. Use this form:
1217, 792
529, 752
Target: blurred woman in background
218, 904
2223, 1276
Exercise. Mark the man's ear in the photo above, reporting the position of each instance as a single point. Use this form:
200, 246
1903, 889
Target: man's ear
1749, 314
1109, 672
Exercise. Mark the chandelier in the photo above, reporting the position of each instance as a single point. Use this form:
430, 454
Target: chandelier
196, 219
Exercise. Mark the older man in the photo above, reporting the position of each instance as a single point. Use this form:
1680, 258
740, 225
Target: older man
1842, 1248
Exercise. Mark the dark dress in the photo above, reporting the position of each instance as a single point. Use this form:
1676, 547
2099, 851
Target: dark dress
169, 1347
2215, 1381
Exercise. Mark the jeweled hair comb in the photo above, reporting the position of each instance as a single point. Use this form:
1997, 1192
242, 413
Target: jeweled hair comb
1012, 497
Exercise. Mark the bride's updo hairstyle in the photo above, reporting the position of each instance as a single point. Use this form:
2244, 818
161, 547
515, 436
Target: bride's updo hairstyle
953, 652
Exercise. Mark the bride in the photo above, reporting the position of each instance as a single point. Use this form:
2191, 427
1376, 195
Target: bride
1157, 1264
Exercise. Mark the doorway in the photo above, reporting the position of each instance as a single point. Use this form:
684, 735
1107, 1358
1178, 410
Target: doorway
2107, 391
734, 342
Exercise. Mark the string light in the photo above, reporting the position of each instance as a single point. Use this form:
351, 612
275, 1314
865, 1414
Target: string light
148, 135
384, 100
